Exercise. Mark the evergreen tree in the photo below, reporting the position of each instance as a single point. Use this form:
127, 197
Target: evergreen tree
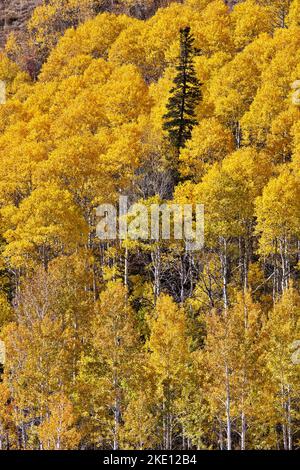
185, 95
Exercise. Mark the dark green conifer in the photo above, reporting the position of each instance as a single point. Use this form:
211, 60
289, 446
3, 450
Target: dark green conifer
185, 94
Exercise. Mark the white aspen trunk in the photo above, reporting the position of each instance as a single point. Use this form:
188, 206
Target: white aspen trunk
126, 267
289, 420
181, 281
283, 266
284, 436
191, 266
247, 257
224, 275
24, 440
241, 259
276, 289
169, 437
116, 424
164, 427
238, 135
243, 433
155, 256
284, 428
183, 438
228, 419
221, 440
244, 391
117, 410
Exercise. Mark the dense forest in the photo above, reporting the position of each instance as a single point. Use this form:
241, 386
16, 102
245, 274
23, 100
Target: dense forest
143, 344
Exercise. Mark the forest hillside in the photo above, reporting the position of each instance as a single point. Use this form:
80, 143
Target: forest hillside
142, 343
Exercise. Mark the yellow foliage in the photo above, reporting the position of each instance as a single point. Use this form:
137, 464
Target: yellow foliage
250, 20
58, 431
278, 211
210, 143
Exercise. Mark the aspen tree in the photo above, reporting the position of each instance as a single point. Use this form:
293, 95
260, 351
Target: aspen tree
169, 356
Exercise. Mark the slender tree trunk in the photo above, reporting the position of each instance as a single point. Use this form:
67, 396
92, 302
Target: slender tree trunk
183, 438
289, 421
228, 418
224, 262
221, 440
238, 135
126, 267
164, 426
276, 283
117, 413
243, 433
156, 260
284, 278
284, 427
24, 439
